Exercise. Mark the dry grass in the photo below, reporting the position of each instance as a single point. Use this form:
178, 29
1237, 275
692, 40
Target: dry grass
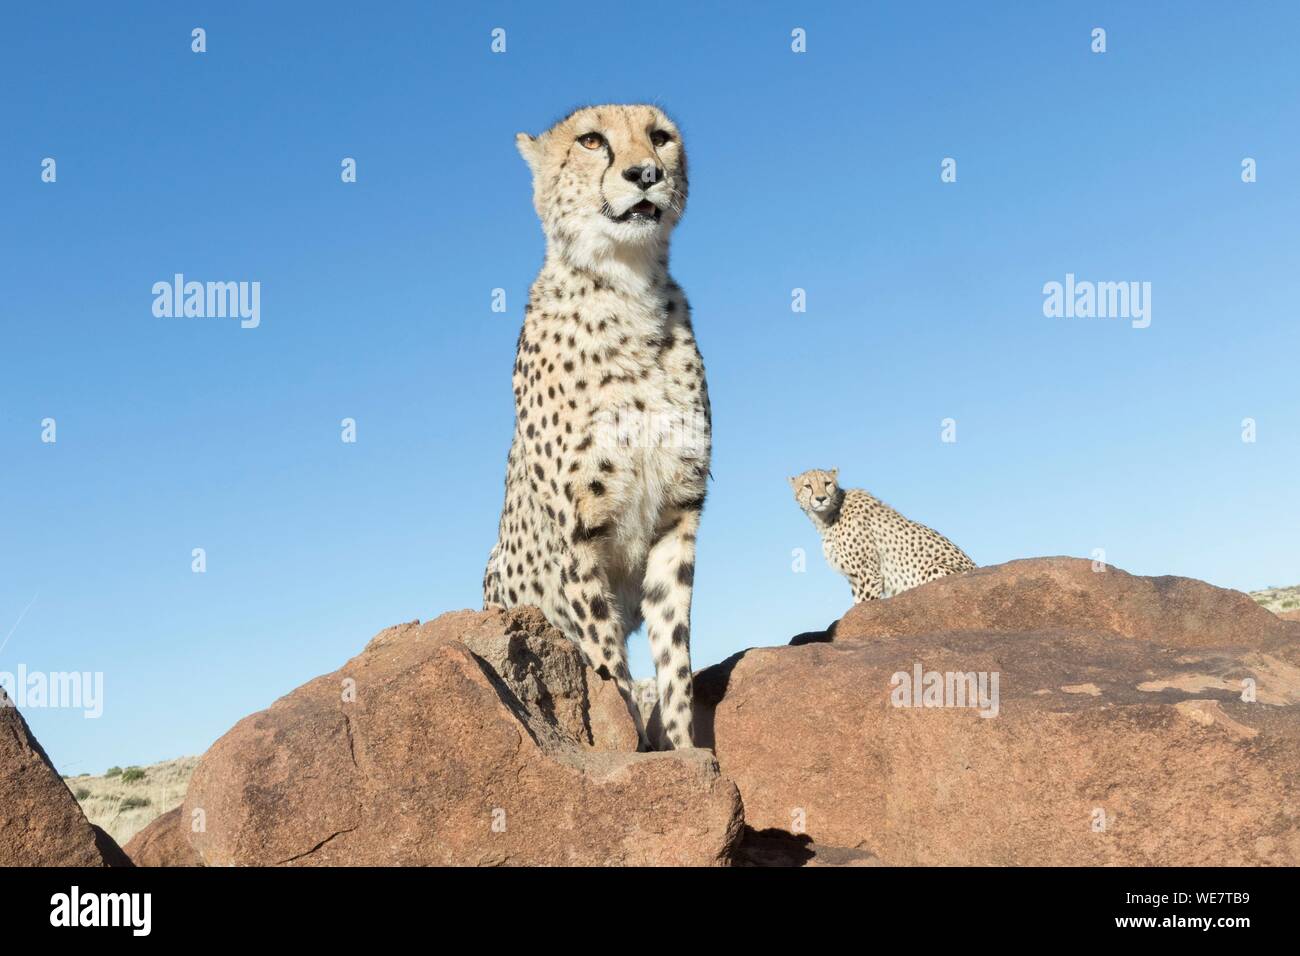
123, 809
1278, 599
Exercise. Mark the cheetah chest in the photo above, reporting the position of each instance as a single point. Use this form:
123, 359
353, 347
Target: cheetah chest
653, 436
828, 552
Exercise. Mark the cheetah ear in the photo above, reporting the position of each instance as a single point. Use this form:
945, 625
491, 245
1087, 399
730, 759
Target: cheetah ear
794, 481
835, 473
527, 149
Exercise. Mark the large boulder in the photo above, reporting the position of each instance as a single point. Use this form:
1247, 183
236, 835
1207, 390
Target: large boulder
1118, 734
41, 823
164, 842
1037, 594
480, 738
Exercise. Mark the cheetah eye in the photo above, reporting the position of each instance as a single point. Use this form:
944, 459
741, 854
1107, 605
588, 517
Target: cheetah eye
591, 141
660, 138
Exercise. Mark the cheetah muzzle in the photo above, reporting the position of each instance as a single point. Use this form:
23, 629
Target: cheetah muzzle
643, 211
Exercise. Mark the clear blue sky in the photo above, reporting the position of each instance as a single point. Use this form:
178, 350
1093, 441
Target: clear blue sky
818, 171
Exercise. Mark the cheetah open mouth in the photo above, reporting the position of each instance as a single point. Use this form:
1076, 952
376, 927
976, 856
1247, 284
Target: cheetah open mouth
644, 211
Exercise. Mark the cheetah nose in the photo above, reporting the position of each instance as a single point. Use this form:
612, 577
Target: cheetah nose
645, 176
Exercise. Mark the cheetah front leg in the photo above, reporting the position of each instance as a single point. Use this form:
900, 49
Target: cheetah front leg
493, 593
666, 607
593, 621
866, 586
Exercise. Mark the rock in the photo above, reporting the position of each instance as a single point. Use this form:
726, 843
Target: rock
164, 842
1037, 594
113, 854
479, 738
1120, 736
1289, 615
546, 673
40, 821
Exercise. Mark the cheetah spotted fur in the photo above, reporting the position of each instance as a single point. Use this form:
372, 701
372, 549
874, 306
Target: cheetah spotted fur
605, 480
881, 552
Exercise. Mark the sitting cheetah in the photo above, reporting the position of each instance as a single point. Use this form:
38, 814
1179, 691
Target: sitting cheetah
605, 480
876, 548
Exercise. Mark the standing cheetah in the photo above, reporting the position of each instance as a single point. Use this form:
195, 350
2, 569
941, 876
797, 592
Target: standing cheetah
876, 548
606, 476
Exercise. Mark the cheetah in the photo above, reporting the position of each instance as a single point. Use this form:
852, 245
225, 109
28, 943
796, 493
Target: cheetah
605, 480
876, 548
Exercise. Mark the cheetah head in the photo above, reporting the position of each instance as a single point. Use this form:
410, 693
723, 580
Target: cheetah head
609, 182
816, 490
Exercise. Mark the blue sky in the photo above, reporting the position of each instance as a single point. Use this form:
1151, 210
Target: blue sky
817, 170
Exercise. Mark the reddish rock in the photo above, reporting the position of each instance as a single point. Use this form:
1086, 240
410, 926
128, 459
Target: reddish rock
419, 751
1046, 595
1121, 735
546, 673
1038, 594
41, 823
1289, 615
164, 842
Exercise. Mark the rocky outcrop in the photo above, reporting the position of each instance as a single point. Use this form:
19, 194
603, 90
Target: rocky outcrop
475, 739
1042, 594
40, 821
1141, 721
164, 842
1038, 712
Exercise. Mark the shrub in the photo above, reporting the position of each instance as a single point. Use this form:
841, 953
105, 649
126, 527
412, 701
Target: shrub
81, 793
114, 772
132, 775
130, 803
